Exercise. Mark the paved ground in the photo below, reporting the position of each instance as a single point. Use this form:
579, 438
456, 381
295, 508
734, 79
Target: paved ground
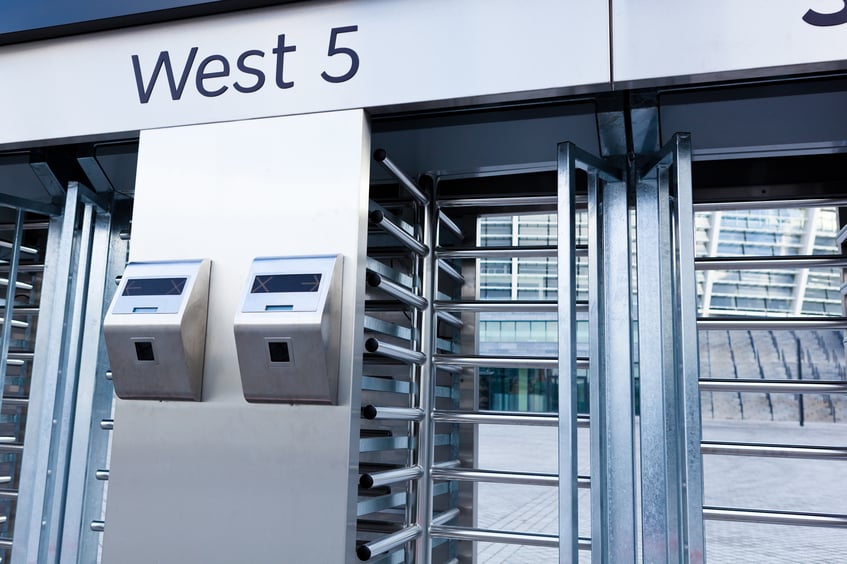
780, 484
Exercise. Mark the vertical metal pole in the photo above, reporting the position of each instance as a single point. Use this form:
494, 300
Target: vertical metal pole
659, 473
619, 424
82, 483
66, 397
14, 260
44, 384
568, 506
423, 552
596, 377
687, 359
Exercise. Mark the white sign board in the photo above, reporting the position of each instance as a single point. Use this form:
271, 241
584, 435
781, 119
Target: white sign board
667, 38
298, 58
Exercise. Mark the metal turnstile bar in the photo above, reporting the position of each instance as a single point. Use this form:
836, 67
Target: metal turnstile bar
8, 494
411, 187
384, 270
774, 451
107, 424
387, 328
450, 319
769, 262
18, 285
513, 202
373, 345
377, 217
501, 306
487, 535
501, 252
774, 517
385, 544
757, 323
392, 413
15, 322
496, 361
101, 474
503, 418
450, 224
375, 384
98, 526
7, 447
375, 444
448, 269
775, 386
11, 245
475, 475
770, 204
445, 516
395, 290
372, 505
376, 479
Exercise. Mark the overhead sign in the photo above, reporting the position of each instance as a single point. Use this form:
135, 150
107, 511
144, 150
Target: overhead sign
665, 39
299, 58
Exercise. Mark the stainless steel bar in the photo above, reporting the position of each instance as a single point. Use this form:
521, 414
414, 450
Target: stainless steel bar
102, 474
449, 319
423, 506
486, 535
775, 386
107, 424
372, 505
475, 475
377, 325
98, 526
6, 334
108, 375
386, 385
503, 418
497, 361
759, 323
660, 511
450, 224
771, 262
774, 517
29, 268
774, 451
8, 494
691, 482
395, 290
384, 270
448, 269
512, 202
497, 306
15, 401
365, 551
498, 252
376, 479
12, 245
447, 464
28, 226
21, 355
373, 345
377, 217
411, 187
17, 285
392, 413
15, 323
445, 517
17, 448
770, 204
375, 444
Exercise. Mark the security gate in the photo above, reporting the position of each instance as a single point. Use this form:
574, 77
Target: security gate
438, 293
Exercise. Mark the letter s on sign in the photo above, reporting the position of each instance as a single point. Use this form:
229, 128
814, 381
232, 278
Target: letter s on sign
334, 49
824, 20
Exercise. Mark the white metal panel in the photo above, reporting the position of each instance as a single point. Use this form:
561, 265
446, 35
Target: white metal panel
408, 51
223, 480
666, 38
